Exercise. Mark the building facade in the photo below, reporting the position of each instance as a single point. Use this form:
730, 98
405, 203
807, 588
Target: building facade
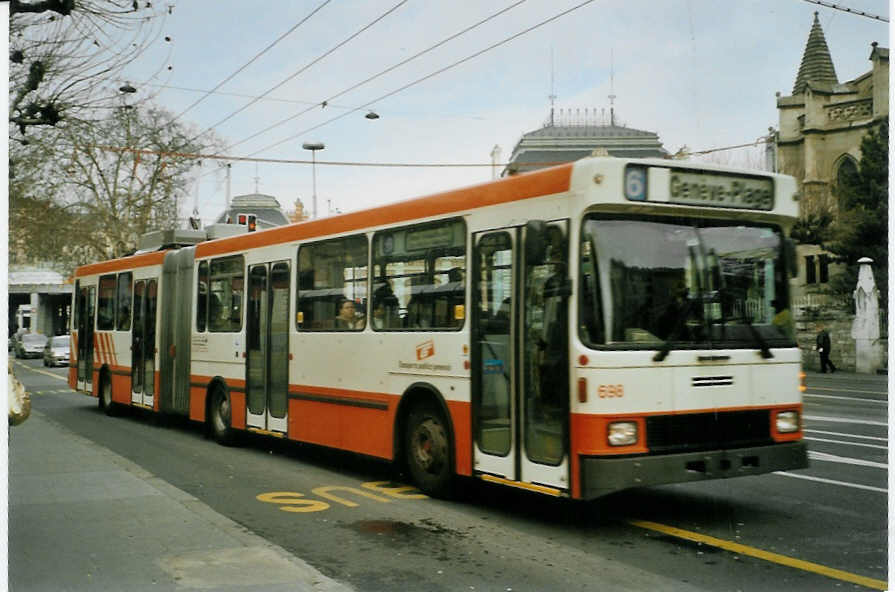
573, 135
818, 141
265, 208
823, 121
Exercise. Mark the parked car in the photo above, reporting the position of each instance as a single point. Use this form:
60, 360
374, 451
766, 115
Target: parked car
31, 345
57, 350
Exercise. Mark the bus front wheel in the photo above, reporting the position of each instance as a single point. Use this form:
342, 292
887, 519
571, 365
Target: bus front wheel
427, 449
220, 418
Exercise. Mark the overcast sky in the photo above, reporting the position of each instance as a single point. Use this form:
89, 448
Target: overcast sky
700, 73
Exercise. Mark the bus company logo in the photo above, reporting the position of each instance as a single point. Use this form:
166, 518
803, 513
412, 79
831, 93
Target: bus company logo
425, 350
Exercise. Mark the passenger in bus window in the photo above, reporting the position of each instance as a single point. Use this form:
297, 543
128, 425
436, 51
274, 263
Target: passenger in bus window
348, 317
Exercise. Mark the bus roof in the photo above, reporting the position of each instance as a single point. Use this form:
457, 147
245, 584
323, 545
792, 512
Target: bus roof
543, 182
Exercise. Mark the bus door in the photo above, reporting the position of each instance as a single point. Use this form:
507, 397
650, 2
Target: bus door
267, 346
520, 365
86, 318
143, 342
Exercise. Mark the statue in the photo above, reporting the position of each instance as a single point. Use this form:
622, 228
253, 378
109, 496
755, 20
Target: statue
865, 328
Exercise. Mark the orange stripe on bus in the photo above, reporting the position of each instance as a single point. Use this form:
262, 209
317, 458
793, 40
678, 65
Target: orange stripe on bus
372, 397
536, 184
97, 347
133, 262
797, 406
589, 431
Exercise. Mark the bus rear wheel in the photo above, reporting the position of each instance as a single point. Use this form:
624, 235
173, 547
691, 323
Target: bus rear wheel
105, 396
220, 415
427, 450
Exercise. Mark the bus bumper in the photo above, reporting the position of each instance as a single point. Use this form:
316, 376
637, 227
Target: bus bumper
600, 476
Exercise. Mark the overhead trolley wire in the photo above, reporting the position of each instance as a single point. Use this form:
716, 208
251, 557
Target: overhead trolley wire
849, 10
329, 100
241, 95
305, 67
251, 61
226, 157
428, 76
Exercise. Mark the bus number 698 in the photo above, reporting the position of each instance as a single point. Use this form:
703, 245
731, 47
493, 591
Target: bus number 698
607, 391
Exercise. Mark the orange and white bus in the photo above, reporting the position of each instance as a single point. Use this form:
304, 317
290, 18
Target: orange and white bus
574, 331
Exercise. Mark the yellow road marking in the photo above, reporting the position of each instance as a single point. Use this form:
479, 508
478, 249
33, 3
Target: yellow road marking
39, 371
529, 486
823, 570
264, 432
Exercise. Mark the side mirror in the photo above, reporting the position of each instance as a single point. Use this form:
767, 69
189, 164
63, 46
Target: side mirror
535, 242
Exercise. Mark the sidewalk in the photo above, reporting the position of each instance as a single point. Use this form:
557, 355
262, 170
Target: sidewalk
84, 518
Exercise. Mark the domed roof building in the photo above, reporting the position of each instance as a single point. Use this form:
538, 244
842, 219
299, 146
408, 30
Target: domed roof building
265, 208
577, 134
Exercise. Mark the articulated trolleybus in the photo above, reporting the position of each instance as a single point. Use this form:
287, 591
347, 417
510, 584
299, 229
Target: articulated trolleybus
574, 331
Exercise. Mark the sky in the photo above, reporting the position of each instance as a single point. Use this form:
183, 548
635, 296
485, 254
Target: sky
699, 73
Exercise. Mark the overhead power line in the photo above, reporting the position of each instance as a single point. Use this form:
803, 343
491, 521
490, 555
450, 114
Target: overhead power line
348, 163
230, 158
431, 75
240, 95
329, 100
308, 65
251, 61
850, 10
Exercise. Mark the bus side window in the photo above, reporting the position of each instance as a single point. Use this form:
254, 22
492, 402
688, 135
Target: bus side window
202, 297
424, 267
226, 287
125, 283
105, 317
329, 273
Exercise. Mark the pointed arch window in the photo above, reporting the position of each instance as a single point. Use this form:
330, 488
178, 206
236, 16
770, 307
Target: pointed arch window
846, 171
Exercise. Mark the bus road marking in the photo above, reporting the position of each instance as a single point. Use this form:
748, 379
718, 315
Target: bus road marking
847, 435
293, 501
832, 481
859, 399
44, 372
777, 558
845, 420
847, 443
841, 390
858, 462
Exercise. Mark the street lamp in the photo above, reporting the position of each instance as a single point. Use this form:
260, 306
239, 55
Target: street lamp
314, 147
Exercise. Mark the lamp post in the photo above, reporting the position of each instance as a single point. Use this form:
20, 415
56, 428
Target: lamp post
314, 147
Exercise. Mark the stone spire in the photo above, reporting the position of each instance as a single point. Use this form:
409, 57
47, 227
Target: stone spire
817, 65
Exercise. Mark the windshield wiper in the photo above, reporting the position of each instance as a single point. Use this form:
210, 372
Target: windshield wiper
665, 348
763, 347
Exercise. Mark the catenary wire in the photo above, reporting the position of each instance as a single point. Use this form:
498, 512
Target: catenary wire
231, 158
305, 67
329, 100
251, 61
849, 10
428, 76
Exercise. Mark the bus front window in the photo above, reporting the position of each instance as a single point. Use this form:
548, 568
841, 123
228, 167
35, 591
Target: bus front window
691, 283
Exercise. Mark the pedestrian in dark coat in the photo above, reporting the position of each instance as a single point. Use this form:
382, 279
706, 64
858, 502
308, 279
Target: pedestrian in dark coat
823, 348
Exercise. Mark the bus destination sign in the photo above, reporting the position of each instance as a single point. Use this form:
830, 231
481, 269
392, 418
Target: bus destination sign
705, 189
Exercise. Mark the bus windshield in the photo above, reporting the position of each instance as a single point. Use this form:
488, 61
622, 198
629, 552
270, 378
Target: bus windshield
682, 283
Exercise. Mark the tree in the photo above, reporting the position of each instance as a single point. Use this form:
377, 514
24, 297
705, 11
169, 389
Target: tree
89, 191
65, 56
861, 229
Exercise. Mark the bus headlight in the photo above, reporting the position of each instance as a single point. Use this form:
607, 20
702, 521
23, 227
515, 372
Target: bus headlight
622, 433
787, 422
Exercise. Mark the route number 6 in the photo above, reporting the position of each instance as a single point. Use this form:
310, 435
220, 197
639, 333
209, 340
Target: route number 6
635, 183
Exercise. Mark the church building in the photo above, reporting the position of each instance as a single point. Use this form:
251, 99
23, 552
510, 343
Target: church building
819, 138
